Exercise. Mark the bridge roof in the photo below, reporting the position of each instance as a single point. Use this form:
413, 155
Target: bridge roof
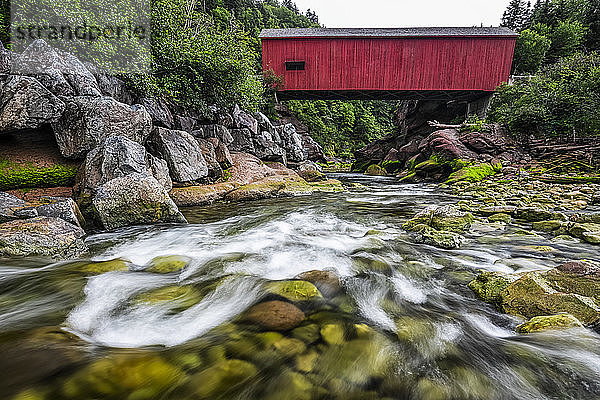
386, 32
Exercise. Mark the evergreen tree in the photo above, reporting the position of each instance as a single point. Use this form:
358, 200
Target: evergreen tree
516, 15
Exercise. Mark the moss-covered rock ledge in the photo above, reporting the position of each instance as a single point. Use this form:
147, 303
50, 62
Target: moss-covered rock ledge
251, 179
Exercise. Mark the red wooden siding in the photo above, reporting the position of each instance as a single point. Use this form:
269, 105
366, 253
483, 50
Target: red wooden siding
394, 64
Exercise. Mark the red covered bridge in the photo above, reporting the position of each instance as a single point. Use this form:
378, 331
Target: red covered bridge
403, 63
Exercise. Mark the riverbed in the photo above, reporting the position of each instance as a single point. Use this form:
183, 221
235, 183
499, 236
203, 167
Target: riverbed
412, 329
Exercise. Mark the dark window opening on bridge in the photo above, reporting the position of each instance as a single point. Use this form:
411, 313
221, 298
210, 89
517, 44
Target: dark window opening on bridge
295, 65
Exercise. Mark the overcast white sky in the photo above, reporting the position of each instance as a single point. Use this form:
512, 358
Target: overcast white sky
405, 13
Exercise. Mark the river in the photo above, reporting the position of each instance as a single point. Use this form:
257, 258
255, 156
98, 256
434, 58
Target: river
412, 328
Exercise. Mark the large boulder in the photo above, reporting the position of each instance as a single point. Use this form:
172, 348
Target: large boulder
135, 199
242, 141
182, 153
26, 104
222, 153
111, 86
7, 58
572, 288
60, 72
159, 112
41, 237
488, 143
118, 157
88, 121
267, 149
60, 207
446, 218
214, 131
446, 144
292, 143
311, 148
243, 120
215, 171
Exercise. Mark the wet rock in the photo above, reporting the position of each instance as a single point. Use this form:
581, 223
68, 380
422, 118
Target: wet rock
309, 334
182, 153
306, 362
535, 295
375, 170
309, 166
442, 239
312, 176
104, 267
445, 218
532, 214
289, 347
292, 385
294, 290
88, 121
275, 316
504, 218
333, 333
178, 298
491, 210
41, 237
221, 379
587, 232
60, 72
135, 199
550, 226
123, 376
9, 205
26, 104
327, 282
551, 322
168, 264
489, 286
61, 207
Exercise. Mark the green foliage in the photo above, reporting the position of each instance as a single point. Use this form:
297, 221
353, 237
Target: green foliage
530, 51
562, 100
566, 39
342, 127
516, 15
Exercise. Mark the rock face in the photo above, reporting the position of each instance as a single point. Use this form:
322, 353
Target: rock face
292, 143
88, 121
41, 237
446, 143
222, 153
26, 104
214, 131
135, 199
60, 207
159, 112
210, 156
62, 73
182, 153
572, 288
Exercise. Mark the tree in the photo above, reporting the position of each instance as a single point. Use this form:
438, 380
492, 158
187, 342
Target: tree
567, 39
530, 52
312, 16
516, 15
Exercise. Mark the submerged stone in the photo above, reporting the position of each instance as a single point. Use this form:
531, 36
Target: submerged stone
106, 266
504, 218
274, 315
181, 297
221, 379
287, 347
168, 264
551, 322
294, 290
327, 282
306, 362
333, 333
309, 334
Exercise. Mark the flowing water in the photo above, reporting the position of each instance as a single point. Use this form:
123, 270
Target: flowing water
411, 329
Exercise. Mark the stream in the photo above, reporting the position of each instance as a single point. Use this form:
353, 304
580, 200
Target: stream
412, 329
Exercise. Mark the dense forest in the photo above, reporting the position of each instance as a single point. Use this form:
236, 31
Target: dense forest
558, 93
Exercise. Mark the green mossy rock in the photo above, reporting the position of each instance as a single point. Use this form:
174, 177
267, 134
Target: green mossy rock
167, 264
551, 322
375, 170
221, 379
122, 375
268, 338
179, 297
287, 347
328, 186
532, 295
27, 175
489, 285
312, 176
306, 362
309, 334
475, 173
294, 290
333, 333
549, 226
504, 218
444, 218
105, 266
291, 386
533, 214
433, 237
